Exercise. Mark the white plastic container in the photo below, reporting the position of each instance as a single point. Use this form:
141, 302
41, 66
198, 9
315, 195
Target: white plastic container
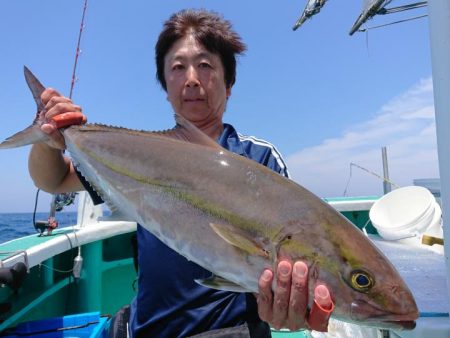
403, 213
435, 228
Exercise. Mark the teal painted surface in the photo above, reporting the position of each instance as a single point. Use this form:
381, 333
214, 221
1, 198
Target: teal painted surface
106, 282
49, 290
89, 290
33, 306
351, 199
124, 275
361, 219
289, 334
27, 242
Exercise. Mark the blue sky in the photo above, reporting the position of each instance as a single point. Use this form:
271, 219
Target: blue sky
325, 99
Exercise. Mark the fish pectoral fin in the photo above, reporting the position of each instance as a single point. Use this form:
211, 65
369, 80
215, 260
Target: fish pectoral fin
186, 131
240, 240
219, 283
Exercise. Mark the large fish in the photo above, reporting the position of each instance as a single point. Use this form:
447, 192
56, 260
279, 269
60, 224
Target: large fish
232, 215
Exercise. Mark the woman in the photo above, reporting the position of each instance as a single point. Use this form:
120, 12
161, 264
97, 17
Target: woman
196, 66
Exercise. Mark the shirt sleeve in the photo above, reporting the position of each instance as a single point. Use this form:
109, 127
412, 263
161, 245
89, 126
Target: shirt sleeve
268, 156
276, 162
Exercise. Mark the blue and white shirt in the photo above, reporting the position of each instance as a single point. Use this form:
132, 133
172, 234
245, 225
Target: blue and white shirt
253, 148
169, 303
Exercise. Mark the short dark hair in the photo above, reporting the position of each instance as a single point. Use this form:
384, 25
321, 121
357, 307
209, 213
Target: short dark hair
208, 28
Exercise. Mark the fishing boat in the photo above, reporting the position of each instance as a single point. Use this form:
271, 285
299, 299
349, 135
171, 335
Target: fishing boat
71, 281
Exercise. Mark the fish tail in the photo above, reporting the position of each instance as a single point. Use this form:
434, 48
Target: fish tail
31, 134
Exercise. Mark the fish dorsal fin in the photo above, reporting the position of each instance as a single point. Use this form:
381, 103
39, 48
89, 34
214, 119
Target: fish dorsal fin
240, 240
186, 131
219, 283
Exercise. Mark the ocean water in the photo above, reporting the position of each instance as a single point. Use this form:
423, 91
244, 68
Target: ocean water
14, 225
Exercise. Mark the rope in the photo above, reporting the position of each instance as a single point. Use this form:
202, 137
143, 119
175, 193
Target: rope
55, 269
416, 5
393, 23
383, 10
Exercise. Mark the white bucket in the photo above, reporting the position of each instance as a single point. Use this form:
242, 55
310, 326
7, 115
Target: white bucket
435, 228
403, 213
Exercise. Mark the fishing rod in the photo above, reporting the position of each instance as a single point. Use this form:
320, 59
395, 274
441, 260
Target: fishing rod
59, 201
77, 51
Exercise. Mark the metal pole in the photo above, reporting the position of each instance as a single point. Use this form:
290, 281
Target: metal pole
439, 22
386, 185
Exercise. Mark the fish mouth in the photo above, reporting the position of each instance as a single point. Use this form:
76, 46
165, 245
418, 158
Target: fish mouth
372, 315
401, 325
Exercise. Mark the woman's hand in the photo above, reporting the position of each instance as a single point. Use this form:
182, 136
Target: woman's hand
287, 306
61, 112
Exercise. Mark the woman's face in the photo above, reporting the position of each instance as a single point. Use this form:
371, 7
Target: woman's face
195, 82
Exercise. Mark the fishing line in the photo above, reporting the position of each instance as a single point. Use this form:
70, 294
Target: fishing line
367, 43
55, 269
35, 207
368, 171
364, 227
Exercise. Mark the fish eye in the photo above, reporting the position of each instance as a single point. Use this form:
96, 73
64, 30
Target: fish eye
361, 281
